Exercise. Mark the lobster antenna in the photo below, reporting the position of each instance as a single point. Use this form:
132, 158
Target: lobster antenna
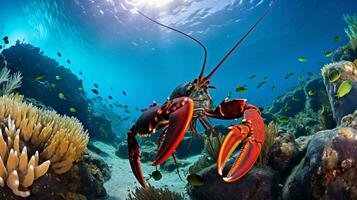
185, 34
240, 41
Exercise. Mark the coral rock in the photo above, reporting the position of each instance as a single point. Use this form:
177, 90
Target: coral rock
328, 170
346, 104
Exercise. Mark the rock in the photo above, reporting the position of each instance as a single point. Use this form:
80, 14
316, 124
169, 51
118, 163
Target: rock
345, 53
258, 183
98, 167
31, 62
189, 147
288, 104
170, 166
122, 150
346, 104
320, 97
328, 170
350, 120
284, 154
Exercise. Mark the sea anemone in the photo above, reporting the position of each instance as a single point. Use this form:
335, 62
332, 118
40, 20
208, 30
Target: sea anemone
152, 193
57, 140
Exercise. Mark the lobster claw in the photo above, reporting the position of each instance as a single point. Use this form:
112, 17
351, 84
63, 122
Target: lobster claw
180, 116
252, 134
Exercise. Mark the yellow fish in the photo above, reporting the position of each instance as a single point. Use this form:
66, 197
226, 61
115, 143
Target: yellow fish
311, 93
334, 75
40, 77
302, 59
61, 96
282, 119
58, 77
241, 89
344, 88
80, 88
72, 110
195, 180
328, 53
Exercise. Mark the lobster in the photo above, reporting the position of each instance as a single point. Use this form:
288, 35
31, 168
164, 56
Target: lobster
191, 102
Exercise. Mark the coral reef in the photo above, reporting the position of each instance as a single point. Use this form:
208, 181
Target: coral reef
16, 170
39, 82
152, 193
347, 104
62, 140
258, 183
328, 170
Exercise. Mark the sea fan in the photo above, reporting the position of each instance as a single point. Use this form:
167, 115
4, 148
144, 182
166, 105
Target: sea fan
9, 82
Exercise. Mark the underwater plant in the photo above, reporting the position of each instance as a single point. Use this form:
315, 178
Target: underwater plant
351, 21
9, 82
271, 133
211, 147
152, 193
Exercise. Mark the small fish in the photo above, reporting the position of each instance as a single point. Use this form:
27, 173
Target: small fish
273, 89
40, 77
282, 119
136, 108
195, 180
110, 97
300, 78
252, 76
156, 175
53, 85
124, 93
68, 61
302, 59
80, 73
334, 75
58, 78
311, 93
0, 46
127, 111
261, 84
61, 96
59, 54
72, 110
95, 91
96, 85
328, 53
337, 38
241, 89
288, 75
6, 40
265, 78
80, 88
344, 88
294, 98
125, 106
110, 105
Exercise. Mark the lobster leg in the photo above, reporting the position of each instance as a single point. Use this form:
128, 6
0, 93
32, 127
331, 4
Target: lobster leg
175, 116
251, 133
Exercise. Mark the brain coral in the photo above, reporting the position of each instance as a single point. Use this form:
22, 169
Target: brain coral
57, 140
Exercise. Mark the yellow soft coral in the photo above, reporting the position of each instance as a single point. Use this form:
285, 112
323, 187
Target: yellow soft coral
15, 168
59, 139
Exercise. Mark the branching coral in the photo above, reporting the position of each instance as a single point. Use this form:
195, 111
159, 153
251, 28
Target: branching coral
60, 139
271, 133
351, 21
152, 193
15, 168
9, 82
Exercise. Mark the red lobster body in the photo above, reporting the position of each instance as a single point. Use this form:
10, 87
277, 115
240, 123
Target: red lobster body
191, 102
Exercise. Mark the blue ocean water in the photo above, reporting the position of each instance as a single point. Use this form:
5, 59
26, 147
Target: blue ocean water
122, 51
